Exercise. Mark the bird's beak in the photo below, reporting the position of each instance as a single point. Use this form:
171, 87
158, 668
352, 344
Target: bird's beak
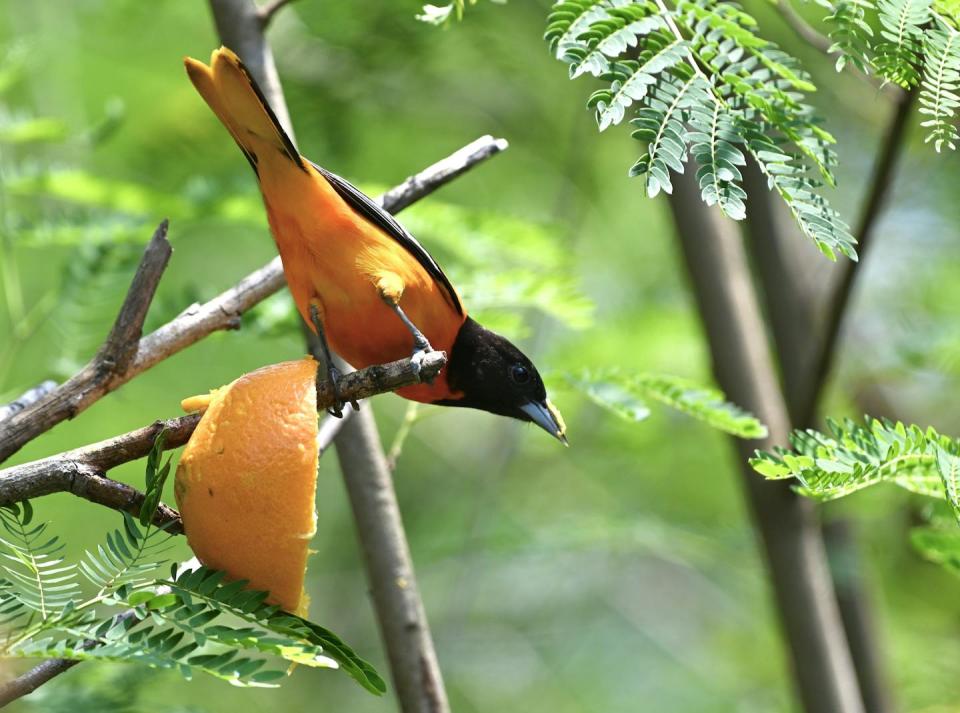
546, 415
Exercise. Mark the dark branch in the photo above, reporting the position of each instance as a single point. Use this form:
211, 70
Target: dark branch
121, 346
30, 681
744, 369
198, 321
880, 182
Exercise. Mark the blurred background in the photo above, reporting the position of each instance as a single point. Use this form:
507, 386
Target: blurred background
621, 574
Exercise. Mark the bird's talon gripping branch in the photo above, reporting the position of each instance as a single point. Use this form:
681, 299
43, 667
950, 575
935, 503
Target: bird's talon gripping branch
328, 369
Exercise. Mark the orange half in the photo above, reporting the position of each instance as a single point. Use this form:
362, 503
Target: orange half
247, 480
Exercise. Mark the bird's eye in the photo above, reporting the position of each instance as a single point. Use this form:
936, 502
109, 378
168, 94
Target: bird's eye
520, 374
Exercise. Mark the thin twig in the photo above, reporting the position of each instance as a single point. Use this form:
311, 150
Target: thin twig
121, 346
802, 28
27, 683
81, 471
330, 427
880, 182
199, 321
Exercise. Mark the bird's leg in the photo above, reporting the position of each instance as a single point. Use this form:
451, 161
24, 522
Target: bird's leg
328, 369
421, 347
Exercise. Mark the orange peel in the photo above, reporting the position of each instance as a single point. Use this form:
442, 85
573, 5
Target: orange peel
246, 482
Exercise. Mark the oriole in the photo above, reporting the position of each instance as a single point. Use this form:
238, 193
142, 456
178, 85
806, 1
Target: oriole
358, 277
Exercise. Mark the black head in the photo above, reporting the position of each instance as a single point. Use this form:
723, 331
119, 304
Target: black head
497, 377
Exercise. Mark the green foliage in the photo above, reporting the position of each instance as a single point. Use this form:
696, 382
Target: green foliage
939, 545
941, 82
626, 395
854, 456
917, 45
193, 620
898, 53
851, 34
705, 86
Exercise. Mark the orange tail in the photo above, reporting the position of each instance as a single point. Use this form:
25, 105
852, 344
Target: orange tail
228, 88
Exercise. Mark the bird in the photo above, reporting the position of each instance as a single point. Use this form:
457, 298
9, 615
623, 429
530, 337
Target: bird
359, 279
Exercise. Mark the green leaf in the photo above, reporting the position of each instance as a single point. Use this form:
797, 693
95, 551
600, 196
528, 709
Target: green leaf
853, 456
155, 477
626, 395
707, 89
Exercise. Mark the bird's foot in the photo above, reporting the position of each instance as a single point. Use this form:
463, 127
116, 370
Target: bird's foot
420, 350
332, 379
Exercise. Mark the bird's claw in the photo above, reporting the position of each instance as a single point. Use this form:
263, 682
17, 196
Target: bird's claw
333, 379
418, 357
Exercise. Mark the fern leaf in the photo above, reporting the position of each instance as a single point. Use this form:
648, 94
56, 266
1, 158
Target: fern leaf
853, 456
713, 148
631, 79
661, 125
608, 38
706, 86
625, 395
939, 96
569, 19
35, 572
851, 34
898, 57
205, 590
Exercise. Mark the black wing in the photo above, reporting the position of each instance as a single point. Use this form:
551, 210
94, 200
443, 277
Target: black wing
371, 210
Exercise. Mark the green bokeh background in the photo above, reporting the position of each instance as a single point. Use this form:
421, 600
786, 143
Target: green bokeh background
619, 575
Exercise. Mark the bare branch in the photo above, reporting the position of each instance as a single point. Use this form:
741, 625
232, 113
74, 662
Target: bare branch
883, 173
449, 168
802, 28
81, 471
713, 252
400, 612
198, 321
330, 427
266, 12
30, 681
121, 345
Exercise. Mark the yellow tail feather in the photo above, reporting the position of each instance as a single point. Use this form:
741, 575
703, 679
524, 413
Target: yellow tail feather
233, 95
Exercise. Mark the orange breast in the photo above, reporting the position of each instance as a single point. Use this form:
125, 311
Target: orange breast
333, 255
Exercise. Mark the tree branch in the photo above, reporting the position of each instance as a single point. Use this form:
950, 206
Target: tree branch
81, 471
883, 173
802, 28
30, 681
807, 346
824, 673
386, 553
121, 346
198, 321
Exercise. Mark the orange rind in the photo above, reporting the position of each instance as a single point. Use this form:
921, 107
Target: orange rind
246, 482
